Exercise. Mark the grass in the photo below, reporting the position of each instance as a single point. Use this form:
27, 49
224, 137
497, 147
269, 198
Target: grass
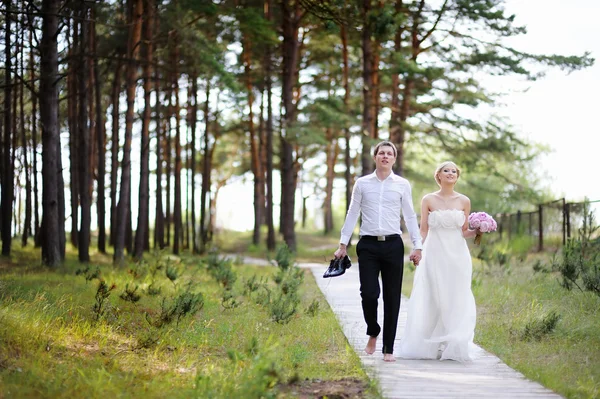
549, 334
52, 346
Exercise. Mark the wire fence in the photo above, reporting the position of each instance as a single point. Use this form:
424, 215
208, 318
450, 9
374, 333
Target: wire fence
552, 223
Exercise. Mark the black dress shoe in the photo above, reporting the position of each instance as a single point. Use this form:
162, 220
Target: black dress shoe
337, 267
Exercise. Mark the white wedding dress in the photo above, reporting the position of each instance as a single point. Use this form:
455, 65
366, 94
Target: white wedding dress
441, 309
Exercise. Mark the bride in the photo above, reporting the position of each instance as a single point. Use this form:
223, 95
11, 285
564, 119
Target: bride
441, 309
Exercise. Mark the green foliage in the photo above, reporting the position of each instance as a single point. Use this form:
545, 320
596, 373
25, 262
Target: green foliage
313, 309
579, 262
289, 280
172, 272
101, 297
539, 327
229, 300
284, 257
283, 307
221, 269
184, 304
88, 273
130, 294
45, 315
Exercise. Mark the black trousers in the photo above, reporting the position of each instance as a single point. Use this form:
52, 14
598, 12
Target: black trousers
387, 258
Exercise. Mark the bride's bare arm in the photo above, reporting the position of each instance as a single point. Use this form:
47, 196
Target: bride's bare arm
425, 209
467, 232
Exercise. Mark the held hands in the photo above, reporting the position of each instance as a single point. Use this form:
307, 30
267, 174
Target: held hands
415, 256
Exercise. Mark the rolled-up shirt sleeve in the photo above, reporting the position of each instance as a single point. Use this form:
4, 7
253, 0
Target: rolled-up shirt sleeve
352, 215
410, 218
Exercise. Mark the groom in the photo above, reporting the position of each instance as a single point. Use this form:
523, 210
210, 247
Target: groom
379, 198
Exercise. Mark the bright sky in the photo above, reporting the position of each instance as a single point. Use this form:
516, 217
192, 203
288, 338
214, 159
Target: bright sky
560, 110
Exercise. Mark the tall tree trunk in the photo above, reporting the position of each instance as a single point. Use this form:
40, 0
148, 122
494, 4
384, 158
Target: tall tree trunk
159, 228
331, 155
269, 138
404, 111
144, 193
114, 149
51, 242
168, 164
291, 16
346, 84
73, 120
84, 140
34, 119
7, 165
254, 144
125, 190
396, 134
25, 147
177, 195
205, 190
193, 120
367, 121
100, 142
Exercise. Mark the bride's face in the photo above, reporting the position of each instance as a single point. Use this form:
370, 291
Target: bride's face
448, 174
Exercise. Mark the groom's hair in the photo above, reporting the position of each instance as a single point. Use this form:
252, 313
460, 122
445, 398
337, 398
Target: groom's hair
387, 144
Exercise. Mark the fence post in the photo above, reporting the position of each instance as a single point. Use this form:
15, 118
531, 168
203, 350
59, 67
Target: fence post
519, 223
541, 229
564, 224
568, 217
530, 223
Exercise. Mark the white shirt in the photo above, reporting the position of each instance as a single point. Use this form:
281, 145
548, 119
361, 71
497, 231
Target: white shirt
380, 203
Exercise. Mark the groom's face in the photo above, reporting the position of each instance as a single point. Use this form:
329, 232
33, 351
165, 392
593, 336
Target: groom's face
385, 158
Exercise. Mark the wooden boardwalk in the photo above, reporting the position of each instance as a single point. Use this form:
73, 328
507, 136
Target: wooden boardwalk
485, 377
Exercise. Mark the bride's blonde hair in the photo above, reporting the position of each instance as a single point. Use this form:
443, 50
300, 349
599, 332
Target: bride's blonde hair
442, 166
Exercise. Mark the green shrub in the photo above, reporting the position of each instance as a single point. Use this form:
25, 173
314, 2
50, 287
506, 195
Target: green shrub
130, 294
284, 257
102, 294
185, 304
539, 327
580, 257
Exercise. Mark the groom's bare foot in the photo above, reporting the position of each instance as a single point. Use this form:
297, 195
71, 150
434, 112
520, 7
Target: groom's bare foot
388, 357
370, 348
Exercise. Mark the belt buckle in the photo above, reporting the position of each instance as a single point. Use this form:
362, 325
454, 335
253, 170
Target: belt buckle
380, 238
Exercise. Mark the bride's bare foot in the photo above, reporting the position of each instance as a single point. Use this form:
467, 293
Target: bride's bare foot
388, 357
370, 348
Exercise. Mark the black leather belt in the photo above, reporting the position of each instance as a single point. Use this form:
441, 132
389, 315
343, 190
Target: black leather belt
381, 238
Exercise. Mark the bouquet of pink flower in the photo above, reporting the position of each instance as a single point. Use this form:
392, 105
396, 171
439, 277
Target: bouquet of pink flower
483, 222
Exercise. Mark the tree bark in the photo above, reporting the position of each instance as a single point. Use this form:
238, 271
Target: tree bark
100, 144
291, 16
332, 152
25, 146
34, 142
7, 165
144, 193
205, 191
114, 150
269, 138
73, 120
159, 228
125, 190
51, 242
256, 164
84, 140
193, 120
346, 84
177, 195
367, 120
